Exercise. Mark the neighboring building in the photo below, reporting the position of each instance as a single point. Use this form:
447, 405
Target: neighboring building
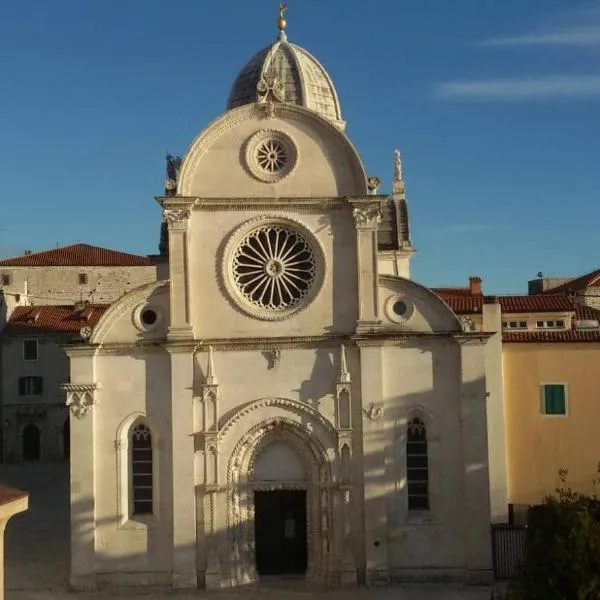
74, 273
35, 424
585, 289
551, 384
289, 401
31, 401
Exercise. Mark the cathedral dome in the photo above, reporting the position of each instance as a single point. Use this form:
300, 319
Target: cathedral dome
293, 75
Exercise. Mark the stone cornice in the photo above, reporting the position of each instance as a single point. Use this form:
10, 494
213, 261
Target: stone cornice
307, 204
416, 338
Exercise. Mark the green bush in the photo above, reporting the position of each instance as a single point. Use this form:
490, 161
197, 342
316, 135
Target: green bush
562, 558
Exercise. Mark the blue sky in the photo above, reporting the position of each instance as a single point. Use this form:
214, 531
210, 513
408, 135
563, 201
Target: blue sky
495, 105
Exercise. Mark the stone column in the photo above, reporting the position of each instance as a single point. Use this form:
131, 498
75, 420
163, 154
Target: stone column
374, 451
179, 221
184, 495
367, 220
476, 516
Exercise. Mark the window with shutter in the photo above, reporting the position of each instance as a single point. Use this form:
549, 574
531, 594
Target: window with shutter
554, 401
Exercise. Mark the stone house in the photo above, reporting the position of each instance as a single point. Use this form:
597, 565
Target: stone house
46, 299
289, 400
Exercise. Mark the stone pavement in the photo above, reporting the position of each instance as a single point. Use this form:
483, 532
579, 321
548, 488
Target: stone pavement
37, 555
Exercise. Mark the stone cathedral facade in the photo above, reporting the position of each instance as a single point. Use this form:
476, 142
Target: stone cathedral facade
288, 400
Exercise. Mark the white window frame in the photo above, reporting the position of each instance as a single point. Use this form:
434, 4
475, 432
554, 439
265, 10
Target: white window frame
543, 399
127, 518
37, 350
552, 327
506, 325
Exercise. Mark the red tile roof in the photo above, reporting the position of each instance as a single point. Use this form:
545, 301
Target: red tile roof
556, 336
462, 303
53, 319
78, 255
576, 285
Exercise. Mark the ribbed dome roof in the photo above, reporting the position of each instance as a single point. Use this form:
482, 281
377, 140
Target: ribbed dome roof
302, 78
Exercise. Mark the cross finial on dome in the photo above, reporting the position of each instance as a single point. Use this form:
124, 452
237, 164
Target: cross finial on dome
281, 22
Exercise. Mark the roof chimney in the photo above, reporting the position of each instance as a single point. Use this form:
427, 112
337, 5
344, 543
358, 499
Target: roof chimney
475, 286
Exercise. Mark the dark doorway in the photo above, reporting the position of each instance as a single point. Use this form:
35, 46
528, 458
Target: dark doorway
66, 435
31, 442
280, 529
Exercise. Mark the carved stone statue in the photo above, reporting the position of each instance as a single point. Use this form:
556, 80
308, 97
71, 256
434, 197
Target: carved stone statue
397, 166
173, 166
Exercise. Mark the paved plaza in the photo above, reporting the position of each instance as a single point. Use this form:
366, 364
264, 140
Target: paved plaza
37, 554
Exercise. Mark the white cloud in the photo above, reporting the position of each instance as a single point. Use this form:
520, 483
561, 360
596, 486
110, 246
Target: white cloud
471, 228
520, 89
584, 35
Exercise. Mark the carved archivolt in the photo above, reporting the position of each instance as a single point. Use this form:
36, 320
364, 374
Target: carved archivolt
241, 484
294, 405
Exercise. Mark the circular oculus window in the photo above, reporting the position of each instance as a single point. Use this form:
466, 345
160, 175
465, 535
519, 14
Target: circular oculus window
399, 309
147, 318
274, 269
271, 155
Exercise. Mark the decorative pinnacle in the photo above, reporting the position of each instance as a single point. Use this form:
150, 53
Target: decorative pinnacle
344, 375
211, 379
281, 22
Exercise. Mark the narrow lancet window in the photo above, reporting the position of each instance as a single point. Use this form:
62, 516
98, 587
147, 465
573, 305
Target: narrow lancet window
417, 472
141, 469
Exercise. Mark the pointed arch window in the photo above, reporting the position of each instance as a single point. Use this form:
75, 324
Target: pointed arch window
141, 462
417, 465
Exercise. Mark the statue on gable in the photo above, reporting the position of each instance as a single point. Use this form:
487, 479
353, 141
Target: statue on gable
173, 167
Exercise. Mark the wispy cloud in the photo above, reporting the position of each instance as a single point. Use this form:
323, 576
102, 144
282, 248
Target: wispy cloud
583, 35
471, 228
520, 89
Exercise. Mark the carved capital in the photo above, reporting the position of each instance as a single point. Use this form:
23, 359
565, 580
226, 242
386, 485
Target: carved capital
177, 218
80, 398
367, 217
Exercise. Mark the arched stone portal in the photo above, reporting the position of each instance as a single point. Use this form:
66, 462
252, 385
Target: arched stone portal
252, 470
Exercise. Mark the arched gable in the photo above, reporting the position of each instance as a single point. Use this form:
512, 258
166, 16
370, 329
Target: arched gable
408, 306
327, 163
123, 321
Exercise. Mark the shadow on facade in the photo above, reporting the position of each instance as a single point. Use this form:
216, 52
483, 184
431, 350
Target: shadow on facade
374, 529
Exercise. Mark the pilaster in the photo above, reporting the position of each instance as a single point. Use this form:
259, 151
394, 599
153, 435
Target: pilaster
374, 452
496, 425
184, 497
367, 218
476, 516
178, 221
82, 397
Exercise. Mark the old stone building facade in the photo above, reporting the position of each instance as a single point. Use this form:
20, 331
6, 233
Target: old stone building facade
47, 300
288, 401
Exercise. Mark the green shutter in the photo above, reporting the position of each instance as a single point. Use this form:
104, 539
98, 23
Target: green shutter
554, 399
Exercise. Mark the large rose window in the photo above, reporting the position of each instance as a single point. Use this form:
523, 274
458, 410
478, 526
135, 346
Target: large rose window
274, 269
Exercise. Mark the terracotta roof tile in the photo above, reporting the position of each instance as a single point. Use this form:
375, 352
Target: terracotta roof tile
453, 291
537, 303
78, 255
578, 284
53, 319
463, 303
545, 337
